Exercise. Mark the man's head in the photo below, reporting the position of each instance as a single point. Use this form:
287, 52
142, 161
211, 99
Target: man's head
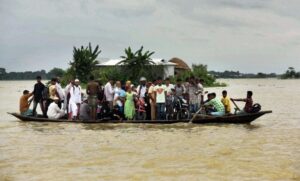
167, 81
38, 78
118, 84
159, 80
213, 95
209, 96
178, 82
192, 79
111, 80
143, 80
249, 94
56, 100
201, 81
77, 82
53, 81
25, 92
224, 93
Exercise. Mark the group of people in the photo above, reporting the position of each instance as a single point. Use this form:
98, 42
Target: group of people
152, 98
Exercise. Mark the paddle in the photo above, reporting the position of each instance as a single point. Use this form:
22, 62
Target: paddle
195, 115
236, 106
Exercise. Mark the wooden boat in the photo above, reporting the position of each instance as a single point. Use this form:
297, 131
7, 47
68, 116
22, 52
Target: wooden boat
199, 119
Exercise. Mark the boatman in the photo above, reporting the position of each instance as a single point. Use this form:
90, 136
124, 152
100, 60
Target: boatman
92, 91
248, 102
24, 104
54, 112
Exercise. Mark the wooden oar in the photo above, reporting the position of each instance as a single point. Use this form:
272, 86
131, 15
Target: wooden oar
236, 106
195, 115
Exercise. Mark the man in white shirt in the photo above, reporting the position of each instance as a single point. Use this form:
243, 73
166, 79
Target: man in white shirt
160, 95
109, 93
75, 100
54, 112
141, 89
59, 91
67, 94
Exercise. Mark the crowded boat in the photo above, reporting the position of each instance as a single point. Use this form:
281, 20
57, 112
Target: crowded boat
149, 100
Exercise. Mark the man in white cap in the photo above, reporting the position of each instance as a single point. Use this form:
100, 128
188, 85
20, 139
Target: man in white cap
75, 100
142, 89
54, 112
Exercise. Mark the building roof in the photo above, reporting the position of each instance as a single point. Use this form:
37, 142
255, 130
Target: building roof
113, 62
180, 64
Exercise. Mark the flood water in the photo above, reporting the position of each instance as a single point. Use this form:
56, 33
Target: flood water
268, 149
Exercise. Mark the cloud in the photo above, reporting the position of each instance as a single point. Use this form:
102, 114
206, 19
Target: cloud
248, 35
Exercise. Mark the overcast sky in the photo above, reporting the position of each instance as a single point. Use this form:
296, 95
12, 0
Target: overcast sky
246, 35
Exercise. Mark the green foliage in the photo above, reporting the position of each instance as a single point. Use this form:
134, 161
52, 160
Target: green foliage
199, 71
56, 72
137, 64
84, 62
290, 74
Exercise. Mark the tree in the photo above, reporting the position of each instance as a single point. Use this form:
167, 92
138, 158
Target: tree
290, 73
56, 72
138, 64
84, 62
2, 73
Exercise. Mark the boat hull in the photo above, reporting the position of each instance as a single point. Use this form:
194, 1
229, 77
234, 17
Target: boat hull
200, 119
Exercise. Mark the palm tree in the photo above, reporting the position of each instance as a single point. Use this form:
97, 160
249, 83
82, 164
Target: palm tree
139, 64
84, 62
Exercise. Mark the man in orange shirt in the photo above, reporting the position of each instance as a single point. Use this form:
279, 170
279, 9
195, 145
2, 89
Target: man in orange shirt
24, 104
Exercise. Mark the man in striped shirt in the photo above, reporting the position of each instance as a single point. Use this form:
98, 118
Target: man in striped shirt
219, 109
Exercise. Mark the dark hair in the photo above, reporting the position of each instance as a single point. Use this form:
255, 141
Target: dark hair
213, 94
25, 92
53, 80
92, 77
224, 92
250, 93
38, 77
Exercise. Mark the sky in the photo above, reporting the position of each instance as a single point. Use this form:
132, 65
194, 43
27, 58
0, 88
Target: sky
246, 35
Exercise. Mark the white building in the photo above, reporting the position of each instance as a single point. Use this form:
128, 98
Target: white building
169, 66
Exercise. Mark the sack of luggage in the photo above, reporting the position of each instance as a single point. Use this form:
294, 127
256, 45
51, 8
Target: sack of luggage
256, 108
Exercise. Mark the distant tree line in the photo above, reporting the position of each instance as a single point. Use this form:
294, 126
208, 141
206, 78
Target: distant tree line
237, 74
30, 75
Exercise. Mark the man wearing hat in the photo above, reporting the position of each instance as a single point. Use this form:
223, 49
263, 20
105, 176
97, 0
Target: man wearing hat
54, 112
75, 100
141, 89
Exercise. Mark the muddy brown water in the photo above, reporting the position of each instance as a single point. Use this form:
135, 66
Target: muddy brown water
267, 149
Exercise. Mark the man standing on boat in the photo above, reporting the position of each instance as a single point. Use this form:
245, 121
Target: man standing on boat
92, 91
38, 95
75, 100
60, 92
160, 95
24, 104
109, 93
